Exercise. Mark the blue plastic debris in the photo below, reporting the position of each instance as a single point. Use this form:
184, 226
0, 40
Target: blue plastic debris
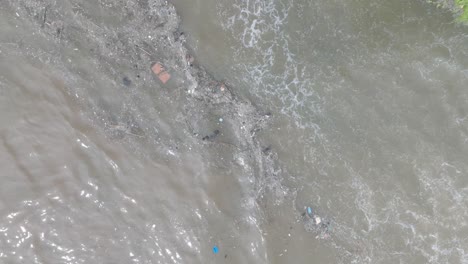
310, 212
215, 249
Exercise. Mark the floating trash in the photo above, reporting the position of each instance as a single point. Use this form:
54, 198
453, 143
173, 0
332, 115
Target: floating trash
317, 220
310, 212
126, 81
161, 72
316, 224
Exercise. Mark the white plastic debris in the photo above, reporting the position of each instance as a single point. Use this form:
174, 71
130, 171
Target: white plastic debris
317, 220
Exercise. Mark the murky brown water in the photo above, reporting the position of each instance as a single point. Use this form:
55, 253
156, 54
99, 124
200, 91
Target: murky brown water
102, 163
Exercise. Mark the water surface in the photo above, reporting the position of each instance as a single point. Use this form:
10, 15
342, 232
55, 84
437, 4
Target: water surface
101, 164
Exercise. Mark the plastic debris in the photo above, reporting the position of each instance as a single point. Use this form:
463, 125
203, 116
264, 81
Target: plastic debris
190, 59
157, 68
164, 77
221, 120
126, 81
314, 223
162, 74
317, 220
212, 136
310, 212
215, 249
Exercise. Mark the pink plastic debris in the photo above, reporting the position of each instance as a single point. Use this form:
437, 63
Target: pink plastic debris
159, 70
164, 76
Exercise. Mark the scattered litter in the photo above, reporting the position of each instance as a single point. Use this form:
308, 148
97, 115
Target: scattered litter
317, 220
212, 136
157, 68
314, 223
215, 249
190, 59
222, 88
162, 74
310, 212
164, 77
221, 120
266, 150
